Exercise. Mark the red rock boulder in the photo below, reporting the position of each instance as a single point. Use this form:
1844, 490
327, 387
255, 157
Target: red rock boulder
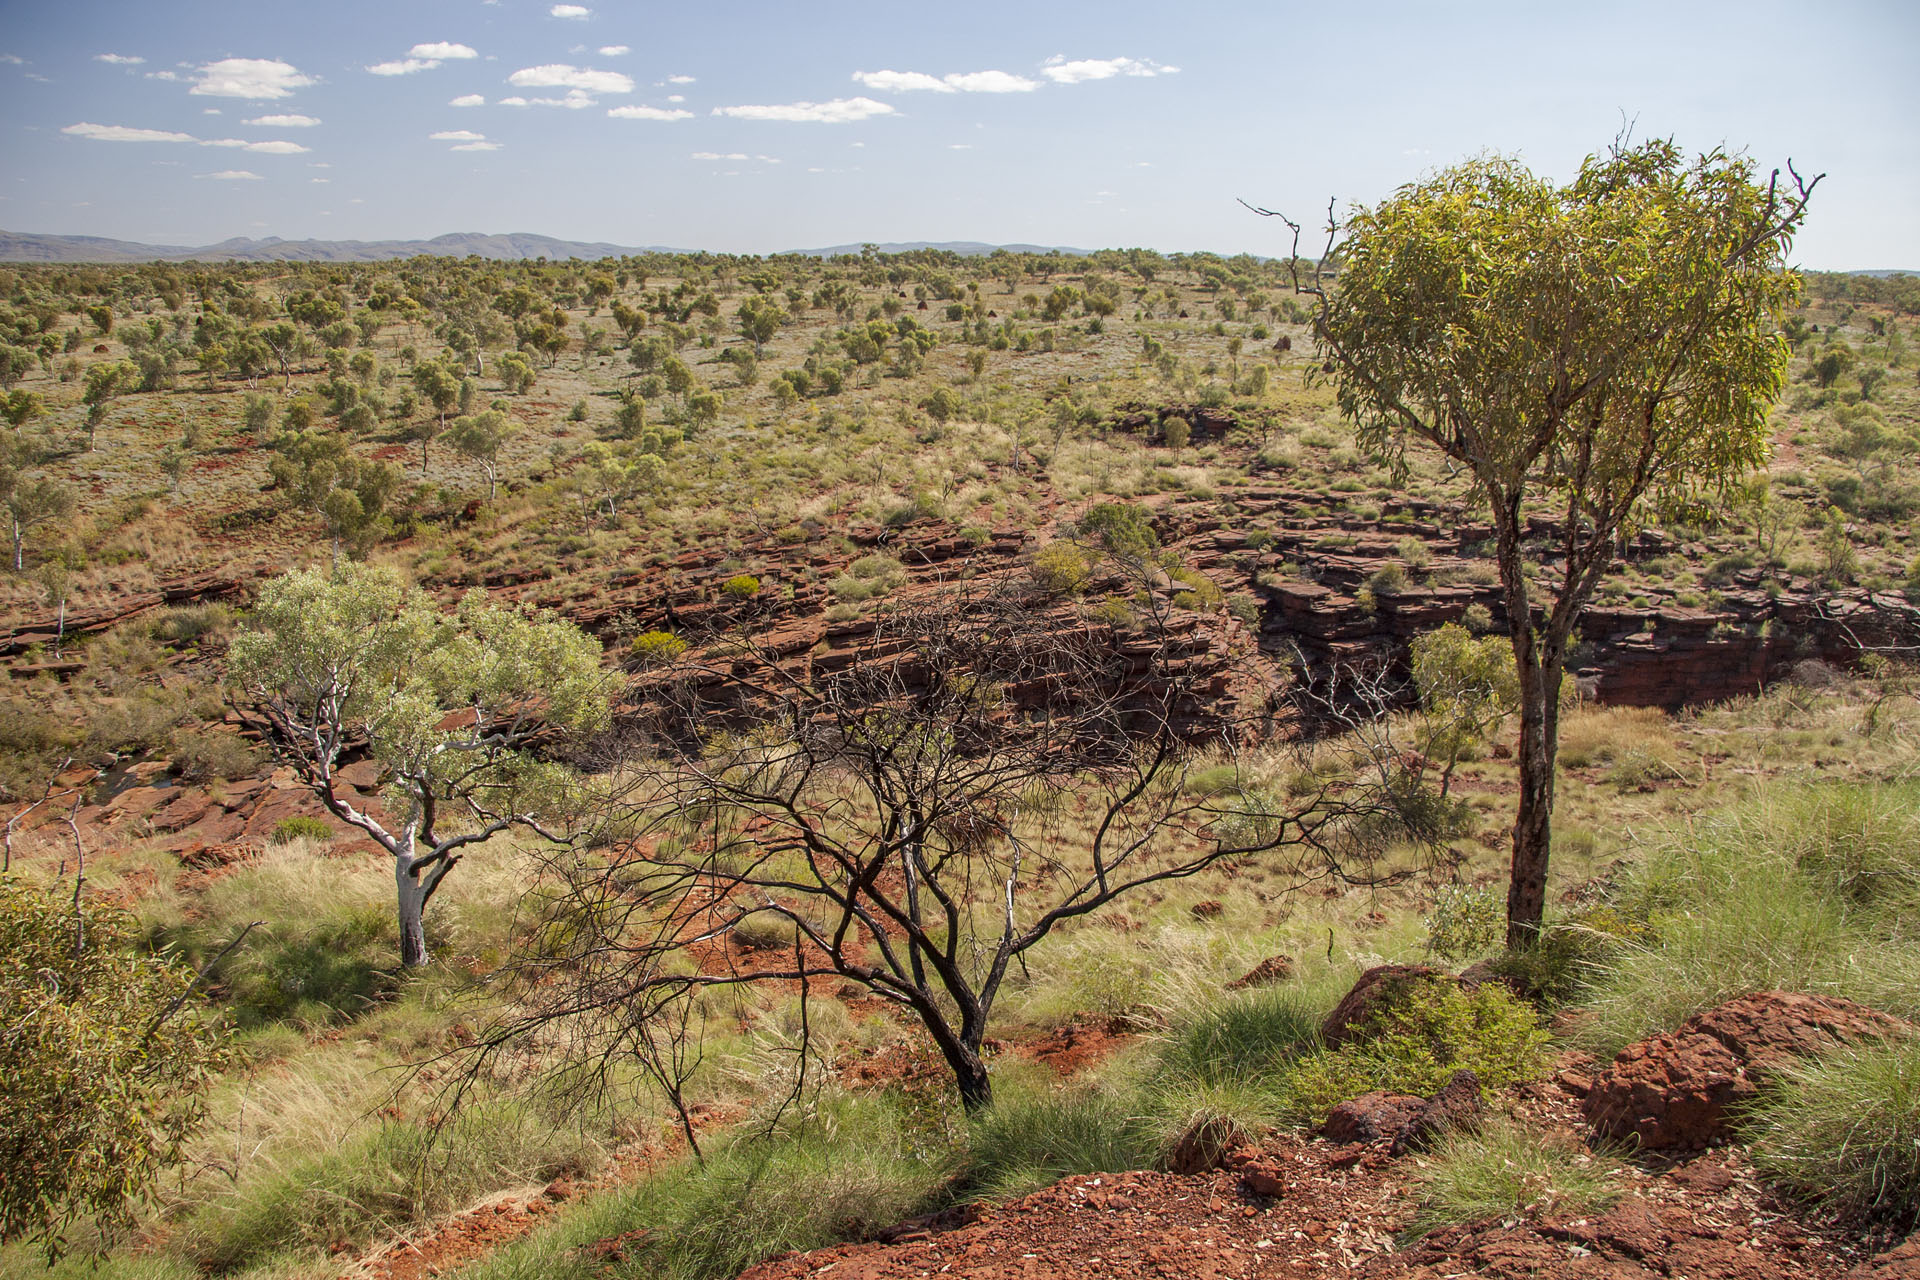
1680, 1090
1371, 1117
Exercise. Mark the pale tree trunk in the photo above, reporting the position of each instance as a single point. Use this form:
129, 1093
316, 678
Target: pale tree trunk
412, 896
1533, 819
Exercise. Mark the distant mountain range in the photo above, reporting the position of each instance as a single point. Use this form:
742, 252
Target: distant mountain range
18, 246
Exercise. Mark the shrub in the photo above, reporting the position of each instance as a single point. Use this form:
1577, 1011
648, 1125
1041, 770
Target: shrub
1060, 569
657, 648
300, 827
1389, 579
1465, 922
106, 1066
1505, 1169
742, 586
1417, 1043
1845, 1129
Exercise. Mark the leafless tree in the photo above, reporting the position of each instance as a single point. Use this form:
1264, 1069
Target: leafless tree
912, 818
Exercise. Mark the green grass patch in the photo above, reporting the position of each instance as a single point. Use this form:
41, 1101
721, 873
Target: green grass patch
1845, 1129
1504, 1169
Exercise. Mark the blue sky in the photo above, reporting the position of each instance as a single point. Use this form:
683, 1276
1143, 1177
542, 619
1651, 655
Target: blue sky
758, 127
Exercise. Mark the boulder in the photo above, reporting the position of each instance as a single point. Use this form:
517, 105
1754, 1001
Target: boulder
1377, 989
1204, 1144
1457, 1106
1371, 1117
1681, 1090
1265, 974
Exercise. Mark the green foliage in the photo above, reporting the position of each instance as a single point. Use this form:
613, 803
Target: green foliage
299, 827
106, 1064
1465, 921
1505, 1169
743, 586
1119, 529
657, 648
1467, 687
1845, 1129
1414, 1044
1060, 568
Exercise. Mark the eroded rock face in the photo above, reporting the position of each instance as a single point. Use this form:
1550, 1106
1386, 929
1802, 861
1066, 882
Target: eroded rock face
1376, 989
1899, 1263
1679, 1091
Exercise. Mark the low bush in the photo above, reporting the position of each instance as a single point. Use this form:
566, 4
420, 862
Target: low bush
657, 648
1415, 1045
1845, 1129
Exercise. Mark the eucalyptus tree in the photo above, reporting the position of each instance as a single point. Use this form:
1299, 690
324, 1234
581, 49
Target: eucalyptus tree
1586, 352
449, 706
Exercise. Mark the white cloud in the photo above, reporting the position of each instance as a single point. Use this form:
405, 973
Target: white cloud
249, 78
716, 155
615, 50
514, 102
456, 135
322, 181
959, 82
403, 66
992, 82
559, 75
163, 75
676, 97
231, 175
13, 59
284, 122
902, 81
211, 111
679, 79
570, 11
441, 49
119, 59
649, 113
477, 146
839, 111
959, 146
1061, 71
276, 148
123, 133
469, 100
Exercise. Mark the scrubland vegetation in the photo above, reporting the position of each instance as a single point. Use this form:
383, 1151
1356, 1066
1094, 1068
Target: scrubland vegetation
555, 432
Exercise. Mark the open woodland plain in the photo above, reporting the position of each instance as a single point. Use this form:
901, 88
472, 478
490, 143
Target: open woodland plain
700, 458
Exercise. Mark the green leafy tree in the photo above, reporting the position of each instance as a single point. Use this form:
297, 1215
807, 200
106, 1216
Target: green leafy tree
480, 436
760, 318
1589, 350
106, 1064
1467, 688
441, 387
314, 471
28, 499
104, 383
448, 705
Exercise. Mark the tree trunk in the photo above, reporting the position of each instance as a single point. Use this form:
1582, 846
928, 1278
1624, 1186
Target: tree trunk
412, 892
1533, 819
970, 1074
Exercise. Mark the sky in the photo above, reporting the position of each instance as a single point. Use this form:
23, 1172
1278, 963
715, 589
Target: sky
761, 127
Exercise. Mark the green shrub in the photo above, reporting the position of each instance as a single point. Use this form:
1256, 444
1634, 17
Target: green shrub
1465, 922
300, 827
1414, 1046
1389, 579
1060, 569
1845, 1128
657, 648
1504, 1169
1253, 1036
742, 586
103, 1089
203, 755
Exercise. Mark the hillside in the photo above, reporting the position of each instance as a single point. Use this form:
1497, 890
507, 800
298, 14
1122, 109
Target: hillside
1065, 502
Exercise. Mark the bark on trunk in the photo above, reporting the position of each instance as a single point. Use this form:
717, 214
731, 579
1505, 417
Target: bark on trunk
1533, 819
970, 1074
412, 895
